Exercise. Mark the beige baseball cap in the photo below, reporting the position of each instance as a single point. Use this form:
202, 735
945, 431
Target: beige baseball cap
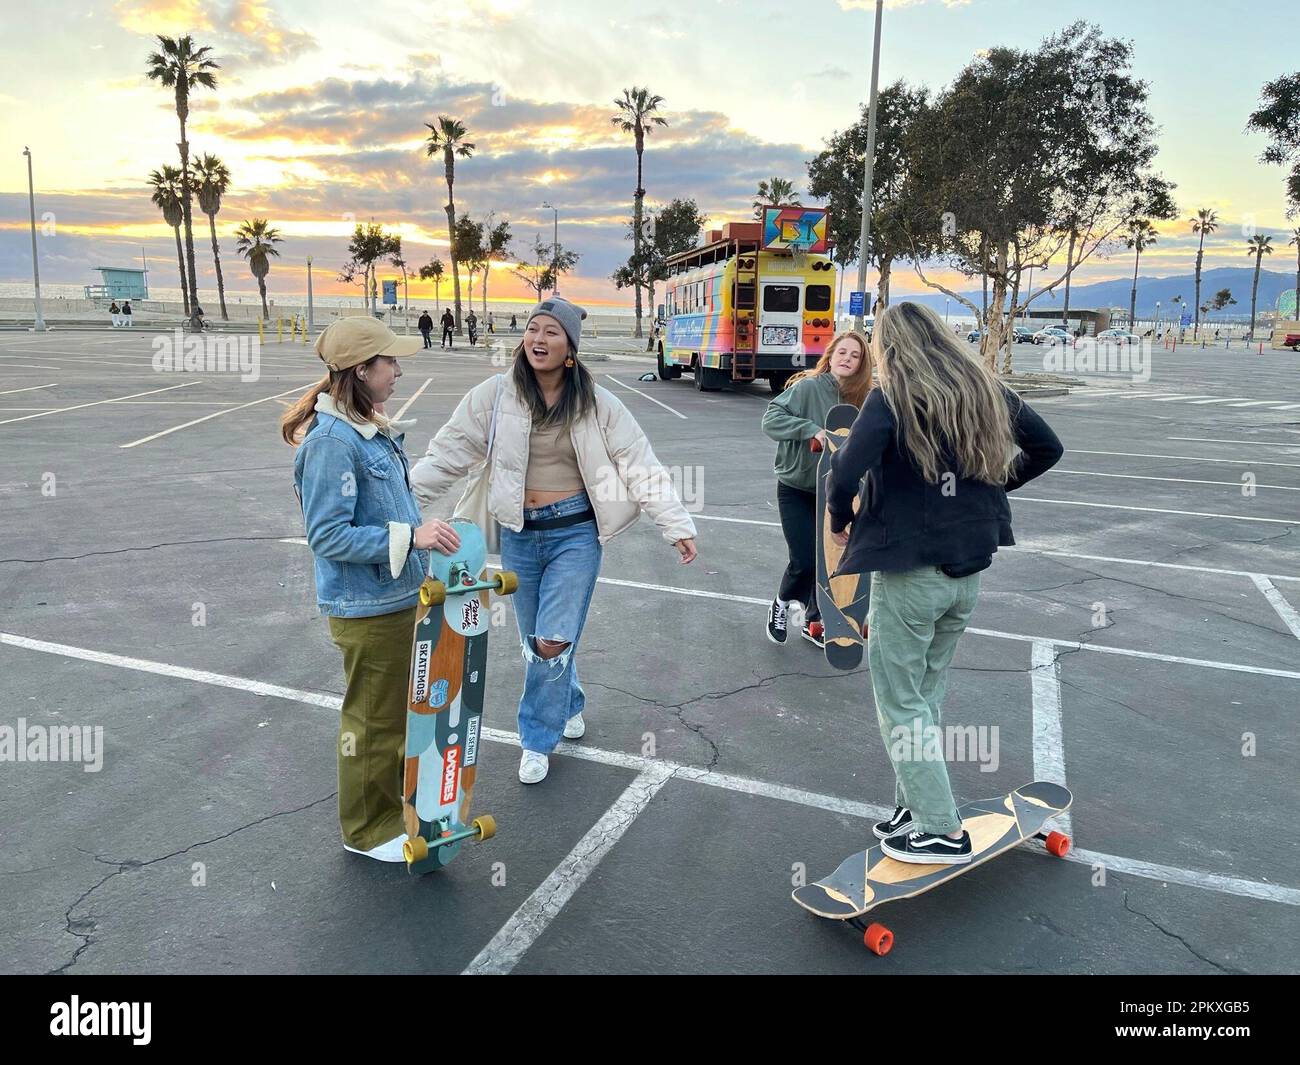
352, 341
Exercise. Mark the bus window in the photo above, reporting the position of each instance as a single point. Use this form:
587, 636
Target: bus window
817, 298
781, 298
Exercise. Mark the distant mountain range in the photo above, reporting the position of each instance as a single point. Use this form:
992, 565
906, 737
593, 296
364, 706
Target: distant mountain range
1238, 279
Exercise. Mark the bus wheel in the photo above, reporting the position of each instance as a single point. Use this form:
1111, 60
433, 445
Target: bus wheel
707, 380
778, 379
666, 372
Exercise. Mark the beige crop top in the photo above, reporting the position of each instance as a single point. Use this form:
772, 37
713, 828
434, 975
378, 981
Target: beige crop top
552, 462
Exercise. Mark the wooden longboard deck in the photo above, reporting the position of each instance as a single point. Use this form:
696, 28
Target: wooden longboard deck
842, 601
870, 877
445, 709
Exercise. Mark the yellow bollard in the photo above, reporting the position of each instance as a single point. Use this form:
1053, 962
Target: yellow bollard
259, 330
304, 330
279, 330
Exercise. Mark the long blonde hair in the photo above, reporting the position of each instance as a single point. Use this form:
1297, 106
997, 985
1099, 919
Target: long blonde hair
348, 393
855, 387
945, 400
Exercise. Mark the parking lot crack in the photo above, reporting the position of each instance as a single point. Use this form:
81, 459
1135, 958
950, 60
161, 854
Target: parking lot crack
150, 547
1174, 935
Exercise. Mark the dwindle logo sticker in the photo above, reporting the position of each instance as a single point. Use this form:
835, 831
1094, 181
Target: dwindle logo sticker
450, 771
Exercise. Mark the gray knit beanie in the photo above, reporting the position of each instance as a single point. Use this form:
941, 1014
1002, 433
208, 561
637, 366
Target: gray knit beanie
569, 315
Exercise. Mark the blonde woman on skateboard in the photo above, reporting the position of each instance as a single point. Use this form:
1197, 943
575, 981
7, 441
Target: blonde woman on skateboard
365, 533
793, 419
937, 441
568, 469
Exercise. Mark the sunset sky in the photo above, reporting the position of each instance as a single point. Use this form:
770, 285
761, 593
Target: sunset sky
321, 106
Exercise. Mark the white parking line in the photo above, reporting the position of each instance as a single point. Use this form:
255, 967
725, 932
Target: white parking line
526, 924
1182, 458
1018, 498
1049, 746
33, 388
1247, 443
209, 417
96, 403
1223, 399
1188, 877
1143, 562
645, 395
1171, 399
1284, 609
418, 392
1173, 480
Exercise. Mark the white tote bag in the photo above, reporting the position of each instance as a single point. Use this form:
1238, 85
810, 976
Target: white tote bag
473, 505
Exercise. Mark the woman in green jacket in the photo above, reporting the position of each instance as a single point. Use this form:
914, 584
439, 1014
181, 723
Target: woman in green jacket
792, 419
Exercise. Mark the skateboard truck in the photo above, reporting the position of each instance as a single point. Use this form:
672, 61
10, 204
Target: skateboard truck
416, 849
434, 593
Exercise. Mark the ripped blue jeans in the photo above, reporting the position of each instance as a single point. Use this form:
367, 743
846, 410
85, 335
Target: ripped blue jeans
557, 571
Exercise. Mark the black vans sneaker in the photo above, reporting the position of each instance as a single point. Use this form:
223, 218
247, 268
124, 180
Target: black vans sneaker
777, 614
924, 848
815, 633
900, 822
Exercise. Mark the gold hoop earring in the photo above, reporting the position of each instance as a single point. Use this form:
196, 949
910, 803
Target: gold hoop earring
569, 361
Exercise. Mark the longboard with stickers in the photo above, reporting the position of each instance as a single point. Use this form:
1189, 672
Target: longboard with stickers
445, 711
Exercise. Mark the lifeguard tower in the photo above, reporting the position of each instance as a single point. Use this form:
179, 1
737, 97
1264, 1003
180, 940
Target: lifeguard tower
119, 283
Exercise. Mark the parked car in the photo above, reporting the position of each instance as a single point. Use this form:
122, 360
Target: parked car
1023, 335
1118, 336
1052, 334
974, 336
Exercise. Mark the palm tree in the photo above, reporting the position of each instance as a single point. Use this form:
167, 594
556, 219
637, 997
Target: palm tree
181, 66
1206, 221
1142, 234
637, 116
1295, 239
448, 137
167, 196
1258, 246
256, 241
213, 180
778, 192
433, 271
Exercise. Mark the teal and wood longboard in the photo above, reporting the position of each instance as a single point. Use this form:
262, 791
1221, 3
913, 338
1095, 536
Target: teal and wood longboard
842, 600
871, 877
445, 711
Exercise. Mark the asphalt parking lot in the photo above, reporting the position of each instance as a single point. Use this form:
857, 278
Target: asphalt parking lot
1140, 644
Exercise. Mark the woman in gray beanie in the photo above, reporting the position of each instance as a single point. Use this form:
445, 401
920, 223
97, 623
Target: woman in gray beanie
567, 469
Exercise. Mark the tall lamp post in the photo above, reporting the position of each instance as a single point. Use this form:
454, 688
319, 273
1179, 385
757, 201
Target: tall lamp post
39, 324
868, 171
555, 246
311, 317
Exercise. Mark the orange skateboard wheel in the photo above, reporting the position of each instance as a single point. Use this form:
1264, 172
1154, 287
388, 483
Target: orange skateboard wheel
878, 939
1058, 843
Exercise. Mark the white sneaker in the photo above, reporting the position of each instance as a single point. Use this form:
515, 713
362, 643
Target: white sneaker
533, 767
575, 728
385, 852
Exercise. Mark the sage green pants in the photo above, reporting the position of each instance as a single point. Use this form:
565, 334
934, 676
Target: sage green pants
916, 618
372, 726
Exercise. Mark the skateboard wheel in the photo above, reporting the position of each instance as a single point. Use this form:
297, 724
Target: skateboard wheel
1058, 843
486, 825
878, 939
507, 583
415, 849
433, 593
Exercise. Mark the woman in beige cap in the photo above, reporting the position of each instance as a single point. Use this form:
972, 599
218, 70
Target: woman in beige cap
568, 469
352, 477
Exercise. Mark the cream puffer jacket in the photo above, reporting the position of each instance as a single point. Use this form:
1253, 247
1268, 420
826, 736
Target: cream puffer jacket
618, 467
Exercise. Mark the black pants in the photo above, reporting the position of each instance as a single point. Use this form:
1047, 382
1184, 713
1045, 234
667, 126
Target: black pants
446, 337
428, 341
798, 511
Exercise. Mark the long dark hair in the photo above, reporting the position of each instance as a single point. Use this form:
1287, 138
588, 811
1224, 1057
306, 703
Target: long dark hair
348, 393
577, 397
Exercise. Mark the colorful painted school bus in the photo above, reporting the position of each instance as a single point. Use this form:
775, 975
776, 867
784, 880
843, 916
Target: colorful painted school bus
755, 301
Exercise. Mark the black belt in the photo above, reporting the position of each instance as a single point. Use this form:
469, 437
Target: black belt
561, 522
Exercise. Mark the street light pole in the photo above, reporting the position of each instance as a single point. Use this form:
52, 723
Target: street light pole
39, 324
555, 248
868, 172
311, 317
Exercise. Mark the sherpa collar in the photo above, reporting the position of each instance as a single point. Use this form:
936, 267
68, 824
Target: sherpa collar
389, 426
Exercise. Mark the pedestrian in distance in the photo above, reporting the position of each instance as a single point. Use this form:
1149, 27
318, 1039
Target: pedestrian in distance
937, 443
370, 550
566, 468
425, 323
126, 314
114, 315
448, 325
514, 324
794, 419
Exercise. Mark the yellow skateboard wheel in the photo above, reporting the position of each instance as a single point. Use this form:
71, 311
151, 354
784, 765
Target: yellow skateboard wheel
507, 583
487, 824
432, 593
415, 849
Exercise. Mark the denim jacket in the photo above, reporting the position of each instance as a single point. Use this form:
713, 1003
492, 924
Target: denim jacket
353, 481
